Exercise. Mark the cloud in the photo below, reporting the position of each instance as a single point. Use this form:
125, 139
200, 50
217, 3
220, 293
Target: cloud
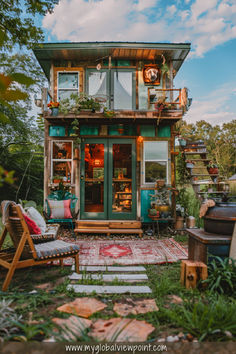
215, 108
205, 23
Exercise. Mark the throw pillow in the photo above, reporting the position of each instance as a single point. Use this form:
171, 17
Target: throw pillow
32, 226
60, 209
33, 214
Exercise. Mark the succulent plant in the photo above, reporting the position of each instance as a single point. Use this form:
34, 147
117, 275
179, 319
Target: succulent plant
8, 318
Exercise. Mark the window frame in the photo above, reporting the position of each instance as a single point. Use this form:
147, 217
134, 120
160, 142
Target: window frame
110, 84
63, 160
78, 72
155, 160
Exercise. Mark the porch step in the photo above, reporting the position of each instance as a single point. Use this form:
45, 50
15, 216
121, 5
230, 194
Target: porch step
110, 289
111, 224
109, 277
109, 231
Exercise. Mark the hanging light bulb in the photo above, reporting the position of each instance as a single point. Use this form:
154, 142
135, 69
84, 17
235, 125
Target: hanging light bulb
99, 66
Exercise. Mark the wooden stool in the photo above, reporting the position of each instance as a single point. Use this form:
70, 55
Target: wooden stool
192, 272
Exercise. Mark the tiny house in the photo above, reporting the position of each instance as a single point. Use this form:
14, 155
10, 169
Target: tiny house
112, 156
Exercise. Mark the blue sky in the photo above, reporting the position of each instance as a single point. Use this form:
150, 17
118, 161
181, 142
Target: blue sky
209, 25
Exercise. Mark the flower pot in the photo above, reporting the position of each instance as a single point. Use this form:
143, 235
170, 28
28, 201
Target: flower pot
189, 165
162, 208
179, 224
182, 142
153, 212
55, 111
213, 170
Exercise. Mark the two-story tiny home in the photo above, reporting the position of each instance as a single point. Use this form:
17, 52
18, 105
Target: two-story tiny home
125, 148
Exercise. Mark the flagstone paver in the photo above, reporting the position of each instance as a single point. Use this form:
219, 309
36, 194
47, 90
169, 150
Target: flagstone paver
111, 268
83, 306
109, 289
109, 277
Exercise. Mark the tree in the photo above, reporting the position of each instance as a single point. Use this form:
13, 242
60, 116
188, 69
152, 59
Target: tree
17, 21
220, 142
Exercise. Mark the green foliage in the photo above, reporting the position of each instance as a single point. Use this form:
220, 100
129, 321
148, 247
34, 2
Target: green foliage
28, 332
206, 321
7, 318
76, 103
222, 276
219, 140
17, 21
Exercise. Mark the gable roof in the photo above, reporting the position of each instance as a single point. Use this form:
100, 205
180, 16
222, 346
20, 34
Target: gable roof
94, 51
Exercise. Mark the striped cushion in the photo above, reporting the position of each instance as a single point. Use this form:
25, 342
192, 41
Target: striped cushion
55, 249
49, 235
60, 209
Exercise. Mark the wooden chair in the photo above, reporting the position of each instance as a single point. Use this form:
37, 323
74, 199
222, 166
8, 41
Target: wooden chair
25, 253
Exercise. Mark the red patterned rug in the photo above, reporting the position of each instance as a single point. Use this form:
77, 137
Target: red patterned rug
130, 252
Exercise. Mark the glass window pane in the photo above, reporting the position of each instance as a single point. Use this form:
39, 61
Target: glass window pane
97, 84
155, 150
62, 94
68, 80
61, 171
154, 170
62, 150
122, 90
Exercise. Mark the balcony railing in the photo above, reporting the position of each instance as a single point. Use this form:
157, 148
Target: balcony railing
168, 98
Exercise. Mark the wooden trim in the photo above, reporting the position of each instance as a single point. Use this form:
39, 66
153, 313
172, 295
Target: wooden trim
67, 69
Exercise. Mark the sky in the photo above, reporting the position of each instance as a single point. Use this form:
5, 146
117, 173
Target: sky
209, 25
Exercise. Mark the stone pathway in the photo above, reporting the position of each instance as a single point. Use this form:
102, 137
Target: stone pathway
112, 273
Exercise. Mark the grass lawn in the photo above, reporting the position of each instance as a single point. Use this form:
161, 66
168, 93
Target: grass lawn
201, 315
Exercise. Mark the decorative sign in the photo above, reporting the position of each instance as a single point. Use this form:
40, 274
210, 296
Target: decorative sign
151, 74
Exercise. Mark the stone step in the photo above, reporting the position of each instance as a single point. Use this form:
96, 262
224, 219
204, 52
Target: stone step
109, 289
111, 268
109, 277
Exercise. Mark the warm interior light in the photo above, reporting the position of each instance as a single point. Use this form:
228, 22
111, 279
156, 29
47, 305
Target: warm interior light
140, 139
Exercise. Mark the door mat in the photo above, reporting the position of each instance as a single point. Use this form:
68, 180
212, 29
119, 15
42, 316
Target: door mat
129, 252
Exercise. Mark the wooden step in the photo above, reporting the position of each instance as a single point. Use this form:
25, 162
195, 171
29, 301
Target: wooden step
80, 224
125, 225
108, 231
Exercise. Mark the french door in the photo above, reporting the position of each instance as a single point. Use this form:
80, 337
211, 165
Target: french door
108, 186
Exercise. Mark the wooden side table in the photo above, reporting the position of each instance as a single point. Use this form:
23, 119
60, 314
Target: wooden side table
155, 222
199, 240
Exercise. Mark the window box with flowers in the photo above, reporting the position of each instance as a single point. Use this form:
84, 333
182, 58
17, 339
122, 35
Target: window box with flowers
54, 108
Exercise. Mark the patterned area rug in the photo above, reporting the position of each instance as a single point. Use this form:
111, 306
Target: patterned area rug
130, 252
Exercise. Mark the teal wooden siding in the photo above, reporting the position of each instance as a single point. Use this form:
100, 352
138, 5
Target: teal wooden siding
147, 130
57, 131
89, 130
146, 204
129, 130
164, 132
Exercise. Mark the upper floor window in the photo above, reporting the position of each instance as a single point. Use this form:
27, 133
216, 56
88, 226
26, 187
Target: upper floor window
68, 83
155, 161
116, 86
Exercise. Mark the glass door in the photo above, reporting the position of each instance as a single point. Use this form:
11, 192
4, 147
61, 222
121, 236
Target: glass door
108, 186
93, 179
122, 183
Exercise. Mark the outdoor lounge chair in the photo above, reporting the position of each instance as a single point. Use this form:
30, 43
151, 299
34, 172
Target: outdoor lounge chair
25, 252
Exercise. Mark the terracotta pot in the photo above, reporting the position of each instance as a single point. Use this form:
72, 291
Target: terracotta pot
213, 170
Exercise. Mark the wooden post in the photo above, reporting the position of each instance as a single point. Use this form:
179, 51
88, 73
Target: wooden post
192, 272
173, 184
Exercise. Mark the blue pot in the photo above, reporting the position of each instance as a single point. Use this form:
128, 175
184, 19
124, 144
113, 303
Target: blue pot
55, 111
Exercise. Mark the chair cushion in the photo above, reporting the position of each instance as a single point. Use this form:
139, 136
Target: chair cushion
32, 226
49, 235
37, 217
60, 209
55, 249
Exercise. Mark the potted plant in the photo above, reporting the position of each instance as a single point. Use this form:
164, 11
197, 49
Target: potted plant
54, 107
161, 104
212, 168
190, 164
161, 199
57, 179
77, 103
182, 141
